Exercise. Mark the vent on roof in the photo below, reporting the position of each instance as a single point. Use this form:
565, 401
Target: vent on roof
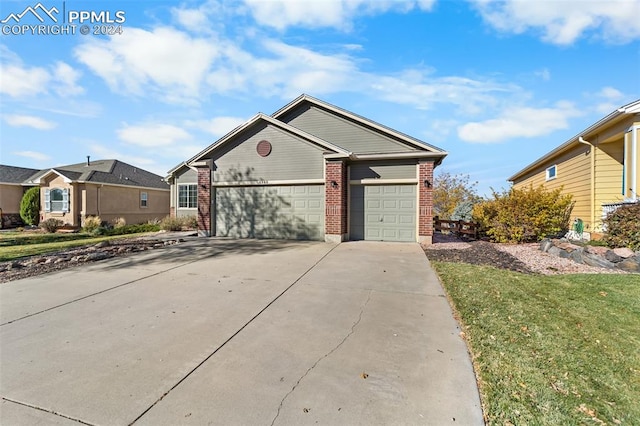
88, 160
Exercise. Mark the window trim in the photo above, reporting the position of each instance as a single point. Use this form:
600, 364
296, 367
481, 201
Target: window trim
555, 172
187, 198
144, 200
64, 202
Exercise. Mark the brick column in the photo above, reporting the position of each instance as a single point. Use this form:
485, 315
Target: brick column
335, 187
204, 201
425, 202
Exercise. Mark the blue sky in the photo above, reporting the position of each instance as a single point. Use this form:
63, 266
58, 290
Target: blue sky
495, 83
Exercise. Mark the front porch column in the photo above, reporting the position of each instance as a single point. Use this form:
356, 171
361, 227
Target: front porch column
204, 198
425, 202
335, 188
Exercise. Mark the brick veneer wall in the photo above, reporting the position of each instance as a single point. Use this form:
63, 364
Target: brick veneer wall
204, 201
335, 201
425, 200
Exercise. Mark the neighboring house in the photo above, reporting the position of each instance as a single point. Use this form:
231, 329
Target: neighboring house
310, 171
106, 188
11, 191
599, 166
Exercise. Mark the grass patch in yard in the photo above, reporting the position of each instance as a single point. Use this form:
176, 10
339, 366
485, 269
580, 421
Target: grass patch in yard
561, 349
15, 245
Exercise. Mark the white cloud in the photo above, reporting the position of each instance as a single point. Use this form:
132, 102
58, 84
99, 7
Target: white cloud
17, 120
281, 14
22, 81
38, 156
563, 22
152, 134
519, 122
165, 60
608, 99
217, 126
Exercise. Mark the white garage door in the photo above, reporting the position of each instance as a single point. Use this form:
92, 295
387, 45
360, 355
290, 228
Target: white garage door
383, 212
282, 212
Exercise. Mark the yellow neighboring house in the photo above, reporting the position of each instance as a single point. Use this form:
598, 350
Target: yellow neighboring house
599, 167
107, 188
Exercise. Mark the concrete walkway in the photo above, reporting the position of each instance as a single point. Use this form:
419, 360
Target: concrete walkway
237, 332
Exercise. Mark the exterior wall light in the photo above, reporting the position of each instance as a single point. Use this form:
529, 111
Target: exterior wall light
427, 183
334, 184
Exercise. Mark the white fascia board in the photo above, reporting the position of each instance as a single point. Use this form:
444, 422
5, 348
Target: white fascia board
40, 179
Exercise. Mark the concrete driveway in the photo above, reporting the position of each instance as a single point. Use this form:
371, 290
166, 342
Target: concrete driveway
237, 332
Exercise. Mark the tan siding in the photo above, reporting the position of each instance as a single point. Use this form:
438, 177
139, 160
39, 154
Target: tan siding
10, 197
346, 134
573, 174
608, 182
125, 202
380, 170
291, 158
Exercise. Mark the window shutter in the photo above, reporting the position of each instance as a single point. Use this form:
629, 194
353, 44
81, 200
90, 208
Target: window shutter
47, 200
65, 200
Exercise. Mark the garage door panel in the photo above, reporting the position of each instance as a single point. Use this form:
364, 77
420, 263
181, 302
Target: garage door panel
287, 212
383, 212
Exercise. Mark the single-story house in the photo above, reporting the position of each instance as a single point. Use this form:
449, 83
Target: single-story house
107, 188
310, 170
12, 188
599, 166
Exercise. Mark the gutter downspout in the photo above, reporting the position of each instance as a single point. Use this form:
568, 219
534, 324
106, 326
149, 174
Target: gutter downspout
592, 184
634, 156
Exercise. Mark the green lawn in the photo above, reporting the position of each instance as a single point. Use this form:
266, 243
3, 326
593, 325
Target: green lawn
551, 349
14, 245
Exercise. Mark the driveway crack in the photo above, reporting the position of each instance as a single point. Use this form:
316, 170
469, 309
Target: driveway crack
353, 328
55, 413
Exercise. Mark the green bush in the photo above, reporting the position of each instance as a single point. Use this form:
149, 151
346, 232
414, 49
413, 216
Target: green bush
524, 215
30, 206
623, 227
51, 225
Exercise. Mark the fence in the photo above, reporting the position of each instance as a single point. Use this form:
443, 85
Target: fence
457, 227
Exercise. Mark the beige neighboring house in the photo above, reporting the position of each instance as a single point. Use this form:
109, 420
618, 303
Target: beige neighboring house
12, 188
106, 188
599, 167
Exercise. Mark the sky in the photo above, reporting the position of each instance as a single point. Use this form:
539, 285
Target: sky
496, 84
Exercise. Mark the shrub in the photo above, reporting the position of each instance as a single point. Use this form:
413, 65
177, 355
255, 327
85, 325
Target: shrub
524, 215
51, 225
91, 224
623, 227
171, 223
119, 222
190, 222
30, 206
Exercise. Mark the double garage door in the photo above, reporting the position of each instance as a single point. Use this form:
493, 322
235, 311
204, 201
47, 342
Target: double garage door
383, 212
282, 212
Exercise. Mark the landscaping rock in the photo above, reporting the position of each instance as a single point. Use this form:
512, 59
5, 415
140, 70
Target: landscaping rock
545, 245
631, 264
554, 251
624, 252
611, 256
592, 259
576, 255
598, 251
96, 256
568, 247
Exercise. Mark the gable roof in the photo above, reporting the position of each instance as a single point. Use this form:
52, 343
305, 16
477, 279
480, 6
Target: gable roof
304, 98
628, 109
15, 175
262, 118
109, 172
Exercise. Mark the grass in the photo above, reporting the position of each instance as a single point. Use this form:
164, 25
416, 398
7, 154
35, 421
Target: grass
550, 349
15, 245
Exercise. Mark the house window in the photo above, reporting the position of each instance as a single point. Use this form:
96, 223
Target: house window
551, 172
143, 199
56, 200
188, 196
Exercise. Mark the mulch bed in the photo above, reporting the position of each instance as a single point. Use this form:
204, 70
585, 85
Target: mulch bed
480, 253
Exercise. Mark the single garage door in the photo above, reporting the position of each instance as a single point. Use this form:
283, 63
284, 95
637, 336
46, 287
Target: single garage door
282, 212
383, 212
